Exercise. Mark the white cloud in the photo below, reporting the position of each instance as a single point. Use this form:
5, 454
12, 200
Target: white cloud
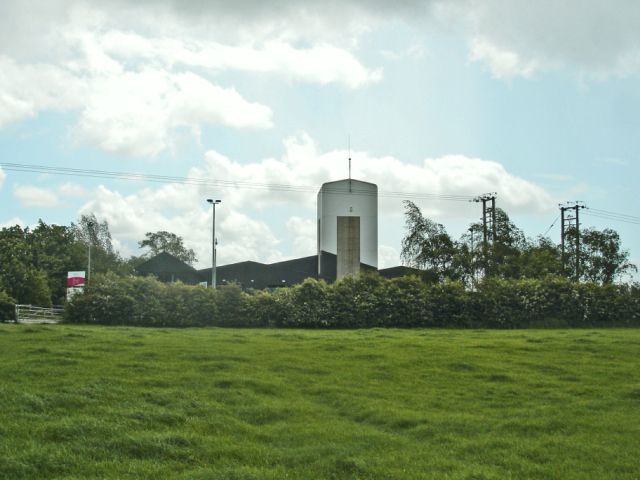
136, 84
244, 238
136, 74
320, 63
47, 197
588, 35
181, 209
521, 37
305, 168
2, 177
502, 63
12, 222
72, 190
130, 112
26, 89
256, 195
136, 113
388, 256
31, 196
616, 162
304, 233
415, 51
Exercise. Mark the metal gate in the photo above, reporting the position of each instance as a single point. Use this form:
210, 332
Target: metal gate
31, 314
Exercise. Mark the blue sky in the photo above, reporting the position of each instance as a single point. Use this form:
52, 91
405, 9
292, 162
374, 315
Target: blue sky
536, 101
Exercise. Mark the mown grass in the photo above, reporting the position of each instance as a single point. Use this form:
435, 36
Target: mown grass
98, 402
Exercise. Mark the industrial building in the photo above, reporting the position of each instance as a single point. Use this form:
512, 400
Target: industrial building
347, 245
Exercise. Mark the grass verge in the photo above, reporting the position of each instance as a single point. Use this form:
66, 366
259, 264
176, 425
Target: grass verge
100, 402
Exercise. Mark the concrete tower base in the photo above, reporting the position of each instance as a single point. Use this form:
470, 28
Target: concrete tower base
348, 246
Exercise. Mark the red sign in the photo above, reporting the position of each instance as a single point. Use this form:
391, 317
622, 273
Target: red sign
75, 282
75, 279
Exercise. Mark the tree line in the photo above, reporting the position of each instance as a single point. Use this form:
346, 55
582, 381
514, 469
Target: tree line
509, 254
34, 261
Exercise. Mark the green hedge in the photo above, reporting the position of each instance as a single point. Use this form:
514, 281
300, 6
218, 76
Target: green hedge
358, 302
7, 308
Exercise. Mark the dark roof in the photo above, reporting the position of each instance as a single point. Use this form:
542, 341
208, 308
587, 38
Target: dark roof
280, 274
164, 262
399, 271
257, 275
260, 275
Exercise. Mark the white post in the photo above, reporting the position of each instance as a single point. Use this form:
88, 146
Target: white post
213, 260
214, 242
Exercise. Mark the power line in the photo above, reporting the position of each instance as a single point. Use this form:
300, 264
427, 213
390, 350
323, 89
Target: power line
551, 226
611, 217
617, 214
154, 178
144, 177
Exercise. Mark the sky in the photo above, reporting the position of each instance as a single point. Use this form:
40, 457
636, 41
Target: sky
536, 101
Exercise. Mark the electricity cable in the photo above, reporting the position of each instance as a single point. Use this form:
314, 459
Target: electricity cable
130, 176
614, 214
551, 226
610, 217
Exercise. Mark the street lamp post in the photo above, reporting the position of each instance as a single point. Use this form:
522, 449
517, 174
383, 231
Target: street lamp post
90, 227
214, 242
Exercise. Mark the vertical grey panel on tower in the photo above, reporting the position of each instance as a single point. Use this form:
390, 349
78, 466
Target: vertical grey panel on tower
348, 246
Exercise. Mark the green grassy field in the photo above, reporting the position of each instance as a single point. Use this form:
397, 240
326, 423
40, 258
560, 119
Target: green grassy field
98, 402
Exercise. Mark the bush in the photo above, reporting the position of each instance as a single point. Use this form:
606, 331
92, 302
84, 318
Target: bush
7, 308
233, 307
270, 309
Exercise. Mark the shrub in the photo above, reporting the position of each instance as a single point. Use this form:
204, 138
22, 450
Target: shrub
7, 308
233, 309
270, 309
449, 304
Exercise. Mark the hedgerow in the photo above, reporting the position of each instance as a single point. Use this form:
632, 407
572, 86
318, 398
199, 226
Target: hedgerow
7, 307
364, 301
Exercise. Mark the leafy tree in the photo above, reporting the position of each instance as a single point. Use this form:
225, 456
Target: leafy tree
18, 275
469, 259
427, 245
56, 252
90, 230
602, 259
163, 241
501, 255
540, 258
104, 257
510, 255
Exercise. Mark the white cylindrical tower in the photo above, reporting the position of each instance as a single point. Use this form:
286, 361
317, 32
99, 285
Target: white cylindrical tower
353, 240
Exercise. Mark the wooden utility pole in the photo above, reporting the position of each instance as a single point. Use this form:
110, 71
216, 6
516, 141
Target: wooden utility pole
488, 217
567, 223
488, 223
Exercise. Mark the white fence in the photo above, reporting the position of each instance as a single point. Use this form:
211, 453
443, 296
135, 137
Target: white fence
31, 314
